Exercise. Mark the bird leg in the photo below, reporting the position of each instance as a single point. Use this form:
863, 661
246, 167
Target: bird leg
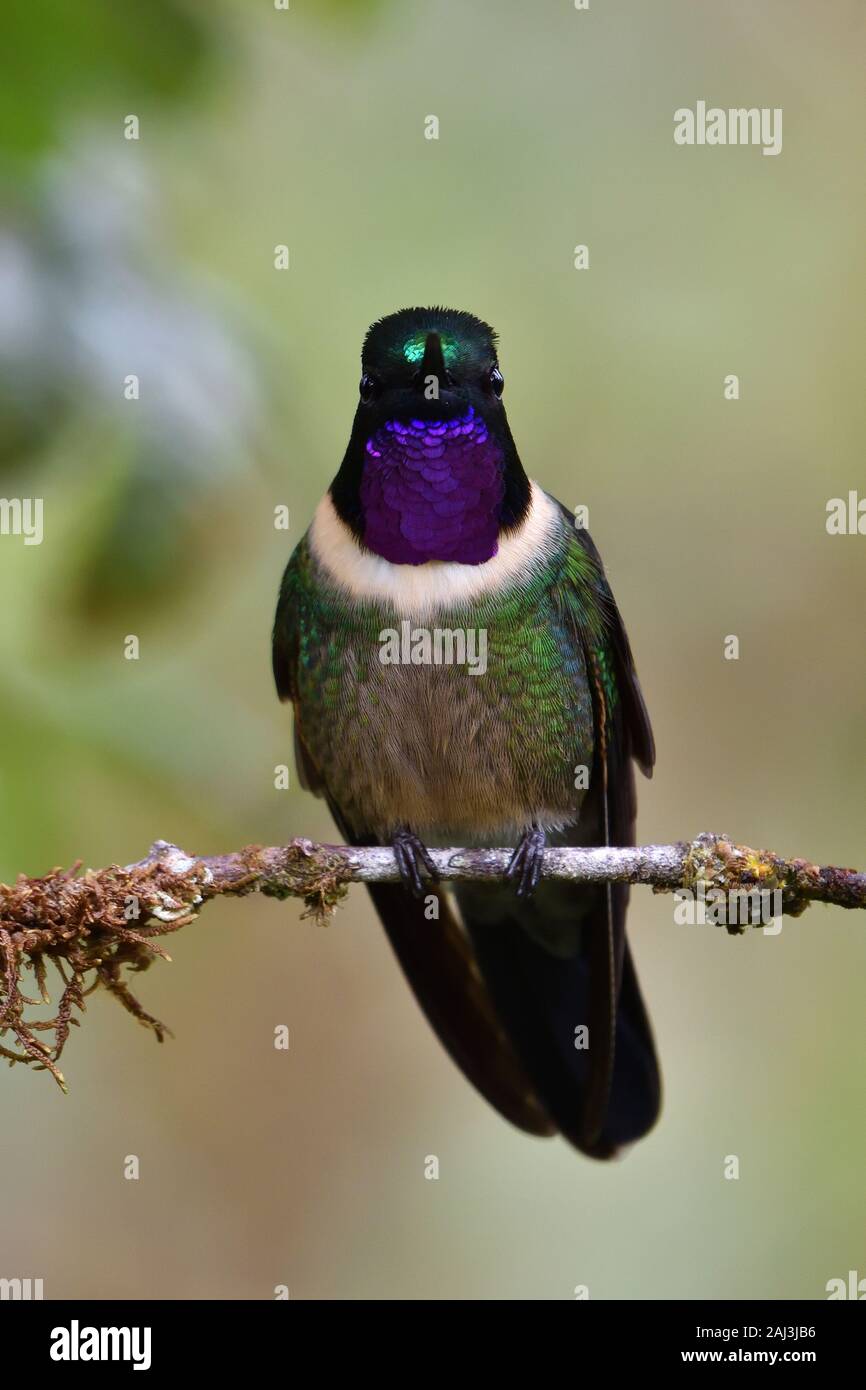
527, 860
411, 855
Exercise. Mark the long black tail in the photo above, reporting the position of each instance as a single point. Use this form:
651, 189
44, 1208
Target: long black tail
562, 981
510, 987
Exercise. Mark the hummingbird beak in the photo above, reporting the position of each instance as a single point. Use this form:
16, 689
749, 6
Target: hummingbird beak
433, 364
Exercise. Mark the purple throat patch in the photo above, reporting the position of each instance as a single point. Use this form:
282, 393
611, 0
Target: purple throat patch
432, 490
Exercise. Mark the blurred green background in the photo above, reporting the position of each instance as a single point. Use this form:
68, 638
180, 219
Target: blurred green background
155, 257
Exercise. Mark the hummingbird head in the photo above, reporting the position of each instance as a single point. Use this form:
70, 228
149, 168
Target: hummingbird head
431, 471
429, 364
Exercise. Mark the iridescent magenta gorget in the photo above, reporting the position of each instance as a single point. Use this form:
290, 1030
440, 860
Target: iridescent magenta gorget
433, 490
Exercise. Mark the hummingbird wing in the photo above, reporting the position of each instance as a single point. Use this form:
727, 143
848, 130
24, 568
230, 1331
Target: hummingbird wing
562, 959
623, 1097
434, 951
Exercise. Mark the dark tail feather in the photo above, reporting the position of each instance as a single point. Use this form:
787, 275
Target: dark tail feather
601, 1096
438, 963
441, 969
636, 1094
505, 1006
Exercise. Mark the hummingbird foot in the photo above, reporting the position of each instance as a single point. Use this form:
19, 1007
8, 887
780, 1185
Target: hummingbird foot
412, 855
527, 860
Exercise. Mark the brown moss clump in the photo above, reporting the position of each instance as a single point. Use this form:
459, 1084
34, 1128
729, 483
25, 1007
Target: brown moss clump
91, 930
312, 872
716, 862
97, 928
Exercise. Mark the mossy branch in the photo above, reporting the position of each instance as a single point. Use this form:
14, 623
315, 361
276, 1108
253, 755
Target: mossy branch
96, 928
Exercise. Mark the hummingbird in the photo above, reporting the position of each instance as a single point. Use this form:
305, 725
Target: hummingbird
432, 529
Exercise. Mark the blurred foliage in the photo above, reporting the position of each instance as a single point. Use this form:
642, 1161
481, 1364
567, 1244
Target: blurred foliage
64, 59
89, 303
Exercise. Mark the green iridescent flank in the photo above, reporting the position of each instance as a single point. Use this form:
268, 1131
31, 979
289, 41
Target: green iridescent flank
413, 348
580, 589
608, 680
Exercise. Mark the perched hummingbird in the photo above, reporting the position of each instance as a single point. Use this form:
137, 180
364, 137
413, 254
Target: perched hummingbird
431, 526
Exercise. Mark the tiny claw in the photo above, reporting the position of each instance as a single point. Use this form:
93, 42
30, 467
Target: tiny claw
527, 861
412, 855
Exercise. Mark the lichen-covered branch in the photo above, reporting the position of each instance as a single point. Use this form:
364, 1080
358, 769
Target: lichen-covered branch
95, 928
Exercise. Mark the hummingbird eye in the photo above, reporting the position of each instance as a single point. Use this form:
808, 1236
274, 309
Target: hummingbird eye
497, 381
367, 388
